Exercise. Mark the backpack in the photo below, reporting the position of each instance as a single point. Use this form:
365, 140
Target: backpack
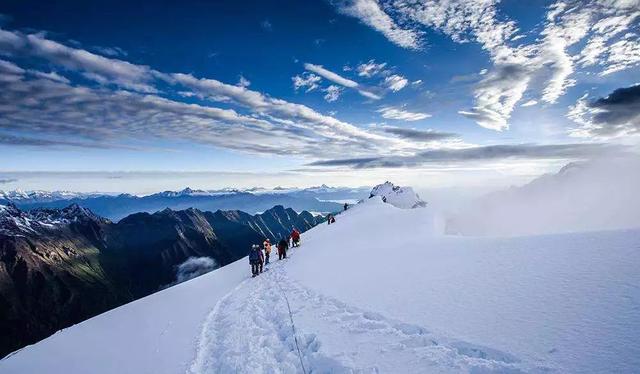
254, 255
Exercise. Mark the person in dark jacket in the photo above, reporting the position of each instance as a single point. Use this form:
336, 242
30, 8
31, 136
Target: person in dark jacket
283, 245
331, 219
346, 206
256, 260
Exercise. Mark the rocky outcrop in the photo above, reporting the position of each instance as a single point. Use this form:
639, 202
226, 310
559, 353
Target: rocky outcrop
400, 197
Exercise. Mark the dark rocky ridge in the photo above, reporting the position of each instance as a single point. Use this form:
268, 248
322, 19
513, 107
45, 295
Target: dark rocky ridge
61, 266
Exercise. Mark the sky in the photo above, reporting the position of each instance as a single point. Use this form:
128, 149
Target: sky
115, 96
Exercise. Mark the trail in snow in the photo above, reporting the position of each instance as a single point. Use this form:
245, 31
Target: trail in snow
250, 331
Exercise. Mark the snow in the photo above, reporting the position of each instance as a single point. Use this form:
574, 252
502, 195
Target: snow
42, 196
400, 197
380, 291
156, 334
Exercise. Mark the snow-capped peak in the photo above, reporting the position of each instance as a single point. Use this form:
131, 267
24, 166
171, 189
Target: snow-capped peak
15, 221
39, 196
400, 197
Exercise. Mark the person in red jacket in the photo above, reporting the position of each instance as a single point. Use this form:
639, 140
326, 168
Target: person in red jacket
295, 237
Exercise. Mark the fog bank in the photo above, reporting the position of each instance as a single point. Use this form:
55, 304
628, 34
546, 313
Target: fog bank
600, 194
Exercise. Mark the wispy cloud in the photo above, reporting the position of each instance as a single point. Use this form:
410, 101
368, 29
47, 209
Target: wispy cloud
338, 79
128, 103
266, 24
332, 93
473, 154
396, 82
371, 14
615, 115
244, 82
306, 81
370, 69
95, 67
111, 51
419, 135
606, 27
400, 113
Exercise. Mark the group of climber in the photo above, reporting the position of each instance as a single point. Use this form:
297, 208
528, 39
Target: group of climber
259, 256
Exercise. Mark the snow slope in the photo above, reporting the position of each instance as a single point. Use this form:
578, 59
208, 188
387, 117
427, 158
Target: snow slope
379, 291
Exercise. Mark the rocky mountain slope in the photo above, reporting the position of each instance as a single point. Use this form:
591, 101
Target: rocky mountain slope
61, 266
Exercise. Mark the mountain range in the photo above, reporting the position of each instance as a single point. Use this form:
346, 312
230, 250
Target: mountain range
61, 266
322, 199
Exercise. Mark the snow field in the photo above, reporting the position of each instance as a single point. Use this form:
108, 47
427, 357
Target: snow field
379, 291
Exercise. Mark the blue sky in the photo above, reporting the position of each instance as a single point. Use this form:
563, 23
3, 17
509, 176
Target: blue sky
344, 92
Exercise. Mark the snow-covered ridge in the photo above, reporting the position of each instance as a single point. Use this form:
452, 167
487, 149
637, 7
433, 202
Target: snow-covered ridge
15, 221
42, 196
400, 197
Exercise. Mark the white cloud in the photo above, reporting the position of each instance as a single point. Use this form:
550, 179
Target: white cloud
616, 115
329, 75
336, 78
48, 104
51, 75
370, 68
401, 114
307, 81
95, 67
396, 82
371, 14
111, 51
244, 82
529, 103
369, 94
497, 94
332, 93
601, 24
622, 55
8, 67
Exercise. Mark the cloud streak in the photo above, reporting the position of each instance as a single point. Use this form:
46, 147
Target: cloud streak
473, 154
401, 114
419, 135
338, 79
372, 15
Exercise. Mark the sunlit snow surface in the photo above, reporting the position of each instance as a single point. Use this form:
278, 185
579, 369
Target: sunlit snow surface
380, 290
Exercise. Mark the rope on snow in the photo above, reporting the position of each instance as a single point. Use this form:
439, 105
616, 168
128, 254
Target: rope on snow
293, 327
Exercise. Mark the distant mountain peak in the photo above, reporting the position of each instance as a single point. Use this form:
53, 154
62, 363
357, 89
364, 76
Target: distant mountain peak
15, 221
400, 197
